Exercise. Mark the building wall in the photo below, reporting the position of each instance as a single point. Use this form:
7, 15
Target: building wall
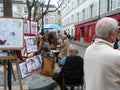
74, 12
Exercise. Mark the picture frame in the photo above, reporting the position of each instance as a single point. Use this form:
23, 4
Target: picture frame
26, 24
34, 25
31, 44
11, 33
23, 70
30, 62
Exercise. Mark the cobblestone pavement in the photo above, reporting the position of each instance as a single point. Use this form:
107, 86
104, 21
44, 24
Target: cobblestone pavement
35, 80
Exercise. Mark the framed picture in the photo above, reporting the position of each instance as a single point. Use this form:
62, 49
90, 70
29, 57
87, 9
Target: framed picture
34, 27
38, 61
11, 33
30, 64
26, 24
23, 70
31, 44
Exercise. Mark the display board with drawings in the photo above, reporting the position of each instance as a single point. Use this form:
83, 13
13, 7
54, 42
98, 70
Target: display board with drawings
11, 33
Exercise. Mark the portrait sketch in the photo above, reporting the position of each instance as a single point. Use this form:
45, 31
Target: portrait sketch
11, 33
23, 69
34, 27
38, 61
26, 24
31, 44
30, 64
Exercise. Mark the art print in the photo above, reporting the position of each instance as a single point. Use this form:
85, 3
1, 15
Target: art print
38, 61
30, 64
34, 27
26, 26
11, 33
23, 69
31, 44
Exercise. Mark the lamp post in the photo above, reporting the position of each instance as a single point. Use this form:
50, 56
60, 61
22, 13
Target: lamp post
42, 29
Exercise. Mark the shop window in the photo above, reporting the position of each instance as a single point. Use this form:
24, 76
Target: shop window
90, 31
82, 32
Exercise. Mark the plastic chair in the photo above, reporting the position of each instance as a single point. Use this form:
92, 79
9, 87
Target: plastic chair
73, 79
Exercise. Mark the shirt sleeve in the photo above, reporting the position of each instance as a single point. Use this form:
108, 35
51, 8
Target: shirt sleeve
63, 60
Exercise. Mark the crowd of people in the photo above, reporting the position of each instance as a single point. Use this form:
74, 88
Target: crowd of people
100, 64
54, 41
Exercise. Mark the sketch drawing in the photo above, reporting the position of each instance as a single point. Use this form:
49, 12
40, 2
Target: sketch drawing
26, 26
31, 44
38, 61
11, 33
30, 64
23, 69
34, 27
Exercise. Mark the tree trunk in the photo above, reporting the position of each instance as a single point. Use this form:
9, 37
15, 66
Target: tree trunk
7, 7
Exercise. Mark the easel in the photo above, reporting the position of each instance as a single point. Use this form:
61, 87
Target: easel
11, 57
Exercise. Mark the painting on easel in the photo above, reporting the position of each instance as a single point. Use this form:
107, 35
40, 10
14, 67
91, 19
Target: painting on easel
11, 33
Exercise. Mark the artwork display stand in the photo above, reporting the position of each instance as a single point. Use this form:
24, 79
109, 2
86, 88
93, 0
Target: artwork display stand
15, 59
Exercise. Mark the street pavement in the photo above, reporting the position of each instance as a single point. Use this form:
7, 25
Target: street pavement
36, 81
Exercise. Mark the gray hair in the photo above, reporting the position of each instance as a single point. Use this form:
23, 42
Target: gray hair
105, 26
73, 51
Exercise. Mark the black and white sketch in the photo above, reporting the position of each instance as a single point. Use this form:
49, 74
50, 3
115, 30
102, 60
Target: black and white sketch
34, 27
26, 26
23, 69
11, 33
31, 44
30, 64
38, 61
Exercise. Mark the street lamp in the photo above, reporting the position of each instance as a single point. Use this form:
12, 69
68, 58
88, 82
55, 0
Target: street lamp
42, 29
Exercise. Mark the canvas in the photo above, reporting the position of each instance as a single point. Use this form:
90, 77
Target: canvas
11, 33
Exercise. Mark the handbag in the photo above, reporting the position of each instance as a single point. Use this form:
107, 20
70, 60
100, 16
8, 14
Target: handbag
47, 68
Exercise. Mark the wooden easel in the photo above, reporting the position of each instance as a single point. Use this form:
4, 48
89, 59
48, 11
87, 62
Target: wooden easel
12, 58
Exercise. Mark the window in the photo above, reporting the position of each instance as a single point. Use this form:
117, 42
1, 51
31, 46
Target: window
58, 12
1, 9
83, 12
25, 10
82, 32
90, 31
77, 17
91, 10
108, 5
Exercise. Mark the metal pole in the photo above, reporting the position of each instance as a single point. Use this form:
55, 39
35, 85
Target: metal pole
42, 32
99, 10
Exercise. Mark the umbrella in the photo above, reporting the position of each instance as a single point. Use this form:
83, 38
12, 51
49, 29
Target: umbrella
52, 26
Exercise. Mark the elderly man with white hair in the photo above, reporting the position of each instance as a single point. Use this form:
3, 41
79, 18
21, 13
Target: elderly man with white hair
101, 60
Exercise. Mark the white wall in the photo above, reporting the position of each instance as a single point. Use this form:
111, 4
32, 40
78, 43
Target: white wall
72, 8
